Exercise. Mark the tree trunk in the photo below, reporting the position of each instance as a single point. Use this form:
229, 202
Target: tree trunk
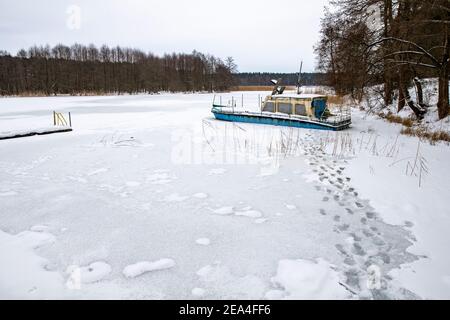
443, 108
418, 111
419, 92
401, 96
387, 21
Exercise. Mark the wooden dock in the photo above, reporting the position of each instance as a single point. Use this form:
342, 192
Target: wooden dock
34, 132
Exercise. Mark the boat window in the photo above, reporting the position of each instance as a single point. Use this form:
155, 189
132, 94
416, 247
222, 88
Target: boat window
285, 107
269, 106
300, 109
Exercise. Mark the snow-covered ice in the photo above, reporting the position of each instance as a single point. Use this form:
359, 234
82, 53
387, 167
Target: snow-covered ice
292, 213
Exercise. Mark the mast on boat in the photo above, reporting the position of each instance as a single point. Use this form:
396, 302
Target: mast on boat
299, 81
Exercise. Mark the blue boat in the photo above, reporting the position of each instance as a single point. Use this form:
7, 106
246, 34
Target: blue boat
288, 109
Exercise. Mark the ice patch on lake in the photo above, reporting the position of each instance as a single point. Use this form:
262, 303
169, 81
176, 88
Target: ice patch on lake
137, 269
76, 179
198, 292
223, 211
200, 195
95, 172
8, 194
203, 241
249, 213
175, 197
218, 171
274, 295
160, 177
133, 184
304, 279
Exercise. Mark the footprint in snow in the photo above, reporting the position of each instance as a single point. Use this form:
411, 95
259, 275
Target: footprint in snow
409, 224
137, 269
359, 205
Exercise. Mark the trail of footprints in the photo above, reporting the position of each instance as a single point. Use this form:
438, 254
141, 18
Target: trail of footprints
368, 240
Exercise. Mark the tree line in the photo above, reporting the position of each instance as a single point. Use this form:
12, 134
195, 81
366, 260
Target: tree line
80, 69
288, 79
391, 42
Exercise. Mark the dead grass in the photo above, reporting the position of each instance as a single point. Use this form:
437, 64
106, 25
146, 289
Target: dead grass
390, 117
422, 133
336, 100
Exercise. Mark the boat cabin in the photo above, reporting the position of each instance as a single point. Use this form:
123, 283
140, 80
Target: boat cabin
307, 105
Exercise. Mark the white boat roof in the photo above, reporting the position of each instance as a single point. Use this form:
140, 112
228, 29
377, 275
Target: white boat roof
299, 96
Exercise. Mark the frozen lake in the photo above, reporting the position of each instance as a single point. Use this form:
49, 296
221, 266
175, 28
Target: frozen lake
151, 198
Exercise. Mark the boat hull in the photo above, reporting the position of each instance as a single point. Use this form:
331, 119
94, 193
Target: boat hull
298, 123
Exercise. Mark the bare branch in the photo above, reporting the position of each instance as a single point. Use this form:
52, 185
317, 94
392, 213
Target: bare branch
429, 55
403, 62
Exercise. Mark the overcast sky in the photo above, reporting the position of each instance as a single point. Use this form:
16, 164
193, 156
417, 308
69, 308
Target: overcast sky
262, 35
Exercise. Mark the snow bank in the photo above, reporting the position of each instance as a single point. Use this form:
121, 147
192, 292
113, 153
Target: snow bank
137, 269
22, 271
94, 272
304, 279
431, 120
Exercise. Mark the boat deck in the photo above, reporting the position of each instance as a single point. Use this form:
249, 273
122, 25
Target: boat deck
335, 122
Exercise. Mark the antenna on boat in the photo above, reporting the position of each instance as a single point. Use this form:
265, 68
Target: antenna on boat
278, 88
299, 81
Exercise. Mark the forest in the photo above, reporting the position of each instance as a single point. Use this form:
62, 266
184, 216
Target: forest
79, 69
288, 79
391, 42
